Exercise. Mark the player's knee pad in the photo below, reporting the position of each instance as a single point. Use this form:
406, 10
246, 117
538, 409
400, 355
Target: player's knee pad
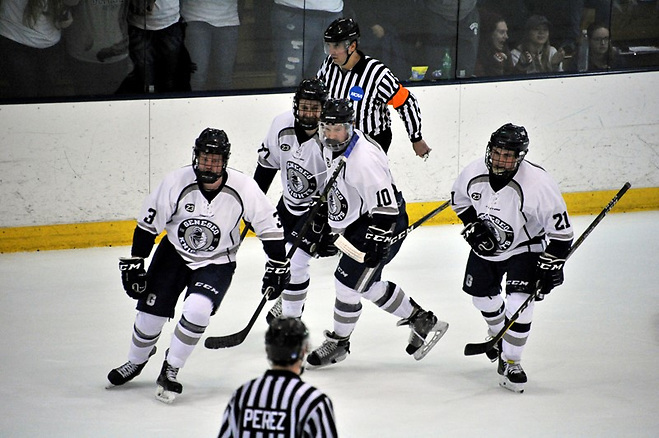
488, 304
149, 325
300, 267
345, 294
513, 302
197, 309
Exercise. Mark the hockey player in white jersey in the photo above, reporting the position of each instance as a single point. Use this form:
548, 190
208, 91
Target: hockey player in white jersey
200, 207
365, 206
293, 149
517, 225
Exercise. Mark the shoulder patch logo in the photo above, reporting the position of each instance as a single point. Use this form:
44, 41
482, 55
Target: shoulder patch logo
476, 196
356, 93
189, 208
285, 147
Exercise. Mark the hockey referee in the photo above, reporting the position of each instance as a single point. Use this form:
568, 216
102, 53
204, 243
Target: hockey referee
279, 403
370, 85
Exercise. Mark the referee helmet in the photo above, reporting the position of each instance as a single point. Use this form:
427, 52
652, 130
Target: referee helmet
286, 341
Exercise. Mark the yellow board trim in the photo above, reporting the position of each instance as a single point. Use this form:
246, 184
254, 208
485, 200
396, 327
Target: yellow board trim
120, 233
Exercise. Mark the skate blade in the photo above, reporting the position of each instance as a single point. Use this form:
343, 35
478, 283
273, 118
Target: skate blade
308, 366
438, 331
165, 396
511, 386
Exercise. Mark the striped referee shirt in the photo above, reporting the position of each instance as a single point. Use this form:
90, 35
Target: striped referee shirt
278, 405
372, 86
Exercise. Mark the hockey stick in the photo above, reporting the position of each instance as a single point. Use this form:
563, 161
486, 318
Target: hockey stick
482, 347
351, 251
215, 342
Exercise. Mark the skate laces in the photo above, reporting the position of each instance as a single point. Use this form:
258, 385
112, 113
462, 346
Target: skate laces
171, 373
514, 368
328, 346
423, 323
276, 310
127, 369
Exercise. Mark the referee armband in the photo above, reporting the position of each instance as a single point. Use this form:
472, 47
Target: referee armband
400, 97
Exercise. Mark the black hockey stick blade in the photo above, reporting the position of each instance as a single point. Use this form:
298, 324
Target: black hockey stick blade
482, 347
216, 342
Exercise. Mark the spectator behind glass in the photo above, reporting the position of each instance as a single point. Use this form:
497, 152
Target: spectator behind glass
155, 35
97, 43
601, 54
494, 57
443, 21
515, 12
297, 35
381, 27
211, 37
30, 32
535, 54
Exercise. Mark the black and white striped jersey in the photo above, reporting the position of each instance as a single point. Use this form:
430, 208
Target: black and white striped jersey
371, 86
278, 404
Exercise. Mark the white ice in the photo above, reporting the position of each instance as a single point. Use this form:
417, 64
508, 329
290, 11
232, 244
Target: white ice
592, 358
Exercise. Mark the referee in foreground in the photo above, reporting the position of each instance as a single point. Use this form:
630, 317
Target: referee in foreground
279, 403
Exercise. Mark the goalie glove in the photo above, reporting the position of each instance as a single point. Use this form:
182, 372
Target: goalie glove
377, 243
549, 274
133, 276
481, 238
276, 278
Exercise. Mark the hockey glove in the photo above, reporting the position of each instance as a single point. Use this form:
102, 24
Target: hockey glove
277, 276
549, 274
326, 247
315, 231
133, 276
377, 242
480, 236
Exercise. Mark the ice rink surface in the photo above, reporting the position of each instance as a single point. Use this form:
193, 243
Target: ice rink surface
592, 358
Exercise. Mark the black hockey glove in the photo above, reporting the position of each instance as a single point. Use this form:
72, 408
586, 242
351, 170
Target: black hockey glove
480, 237
549, 274
326, 247
277, 276
316, 229
377, 242
133, 276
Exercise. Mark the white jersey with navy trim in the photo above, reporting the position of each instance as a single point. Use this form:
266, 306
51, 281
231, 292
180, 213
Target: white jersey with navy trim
371, 86
301, 167
204, 232
365, 185
528, 207
278, 404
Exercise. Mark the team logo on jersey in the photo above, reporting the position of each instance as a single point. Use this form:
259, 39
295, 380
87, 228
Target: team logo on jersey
476, 196
196, 235
336, 205
301, 183
501, 230
189, 208
356, 93
285, 147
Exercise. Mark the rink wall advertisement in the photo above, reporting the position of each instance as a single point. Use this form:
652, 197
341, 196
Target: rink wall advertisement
75, 174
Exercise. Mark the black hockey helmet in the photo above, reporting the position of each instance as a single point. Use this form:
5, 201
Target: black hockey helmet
509, 137
309, 89
337, 112
286, 341
342, 29
211, 141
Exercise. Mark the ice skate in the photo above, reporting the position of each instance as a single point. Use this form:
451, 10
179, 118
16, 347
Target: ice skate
168, 386
126, 372
333, 350
423, 323
511, 375
275, 311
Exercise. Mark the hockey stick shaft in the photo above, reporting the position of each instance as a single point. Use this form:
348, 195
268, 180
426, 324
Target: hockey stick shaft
215, 342
482, 347
351, 251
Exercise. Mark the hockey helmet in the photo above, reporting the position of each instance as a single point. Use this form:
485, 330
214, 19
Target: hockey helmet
342, 29
509, 137
337, 113
211, 141
286, 341
309, 89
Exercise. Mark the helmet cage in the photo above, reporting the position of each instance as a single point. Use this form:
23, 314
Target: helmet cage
211, 141
313, 90
511, 138
332, 144
337, 112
